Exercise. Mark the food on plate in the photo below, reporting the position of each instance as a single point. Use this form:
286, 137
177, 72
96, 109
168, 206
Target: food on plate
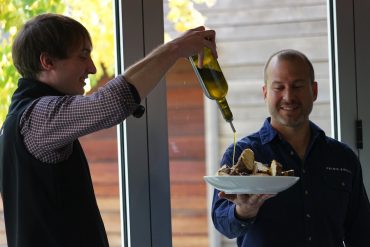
246, 166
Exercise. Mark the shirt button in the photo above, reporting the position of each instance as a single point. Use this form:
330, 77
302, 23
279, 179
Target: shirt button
303, 171
308, 216
292, 152
309, 238
343, 184
306, 192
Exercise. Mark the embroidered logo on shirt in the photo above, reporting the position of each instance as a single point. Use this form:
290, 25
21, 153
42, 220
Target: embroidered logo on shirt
337, 169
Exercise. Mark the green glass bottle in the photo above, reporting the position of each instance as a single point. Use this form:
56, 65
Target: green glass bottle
213, 83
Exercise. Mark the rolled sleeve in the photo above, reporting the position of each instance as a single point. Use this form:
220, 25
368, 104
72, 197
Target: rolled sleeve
52, 123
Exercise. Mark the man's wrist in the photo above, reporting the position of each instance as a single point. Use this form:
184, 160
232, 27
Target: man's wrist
241, 215
242, 223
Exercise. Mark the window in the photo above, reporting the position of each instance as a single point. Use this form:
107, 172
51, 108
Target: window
247, 32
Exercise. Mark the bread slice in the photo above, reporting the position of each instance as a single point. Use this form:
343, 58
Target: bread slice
275, 168
245, 164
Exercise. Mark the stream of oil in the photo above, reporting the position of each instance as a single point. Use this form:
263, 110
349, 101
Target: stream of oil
234, 147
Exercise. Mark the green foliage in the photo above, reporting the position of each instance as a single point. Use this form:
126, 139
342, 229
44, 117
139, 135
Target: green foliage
184, 16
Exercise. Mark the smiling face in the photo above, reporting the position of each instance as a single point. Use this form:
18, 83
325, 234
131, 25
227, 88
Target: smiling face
68, 75
55, 50
289, 92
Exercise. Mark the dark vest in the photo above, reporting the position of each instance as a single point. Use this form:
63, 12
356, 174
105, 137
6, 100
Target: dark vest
45, 205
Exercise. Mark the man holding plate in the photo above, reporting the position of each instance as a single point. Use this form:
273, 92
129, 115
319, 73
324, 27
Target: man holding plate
328, 206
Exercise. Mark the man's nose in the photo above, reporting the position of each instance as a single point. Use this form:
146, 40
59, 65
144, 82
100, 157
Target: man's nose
91, 68
288, 94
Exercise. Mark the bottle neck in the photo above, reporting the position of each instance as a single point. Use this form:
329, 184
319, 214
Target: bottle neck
225, 109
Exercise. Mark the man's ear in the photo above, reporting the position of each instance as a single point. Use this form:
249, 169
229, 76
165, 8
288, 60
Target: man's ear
314, 90
46, 61
264, 91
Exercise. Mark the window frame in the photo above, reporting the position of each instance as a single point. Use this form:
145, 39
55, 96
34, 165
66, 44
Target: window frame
143, 147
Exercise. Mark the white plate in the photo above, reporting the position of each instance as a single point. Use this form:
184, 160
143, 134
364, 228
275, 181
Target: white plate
251, 184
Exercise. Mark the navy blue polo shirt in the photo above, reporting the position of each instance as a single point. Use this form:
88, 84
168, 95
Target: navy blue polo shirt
328, 206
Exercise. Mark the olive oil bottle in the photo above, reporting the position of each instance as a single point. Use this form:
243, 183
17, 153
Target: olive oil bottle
213, 83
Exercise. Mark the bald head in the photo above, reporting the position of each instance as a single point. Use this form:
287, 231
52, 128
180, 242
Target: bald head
291, 56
